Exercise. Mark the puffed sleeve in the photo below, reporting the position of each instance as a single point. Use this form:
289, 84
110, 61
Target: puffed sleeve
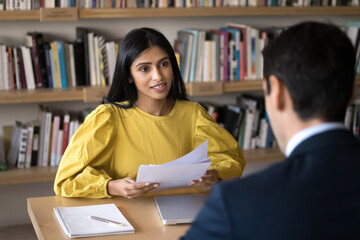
223, 149
84, 168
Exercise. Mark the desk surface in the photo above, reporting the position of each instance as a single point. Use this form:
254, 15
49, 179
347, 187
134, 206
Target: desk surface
141, 213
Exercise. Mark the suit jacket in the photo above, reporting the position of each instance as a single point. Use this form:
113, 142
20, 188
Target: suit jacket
313, 194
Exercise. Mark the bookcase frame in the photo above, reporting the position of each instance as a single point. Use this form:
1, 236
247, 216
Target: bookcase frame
94, 94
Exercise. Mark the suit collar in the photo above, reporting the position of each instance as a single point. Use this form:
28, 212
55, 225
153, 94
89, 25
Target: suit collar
328, 139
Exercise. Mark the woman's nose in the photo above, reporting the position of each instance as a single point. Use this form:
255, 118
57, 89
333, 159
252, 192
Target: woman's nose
156, 76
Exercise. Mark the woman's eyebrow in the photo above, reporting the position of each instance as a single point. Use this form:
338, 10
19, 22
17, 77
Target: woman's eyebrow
146, 63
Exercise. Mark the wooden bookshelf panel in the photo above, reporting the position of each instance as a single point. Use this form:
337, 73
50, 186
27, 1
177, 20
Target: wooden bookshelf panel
263, 155
247, 85
204, 88
27, 175
58, 14
19, 15
41, 95
95, 94
215, 11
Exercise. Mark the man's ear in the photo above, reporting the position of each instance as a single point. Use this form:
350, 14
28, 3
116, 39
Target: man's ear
277, 93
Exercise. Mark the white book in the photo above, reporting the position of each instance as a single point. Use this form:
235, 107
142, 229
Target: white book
199, 55
29, 146
72, 65
46, 147
80, 222
91, 59
54, 144
110, 48
205, 75
29, 72
248, 129
50, 3
63, 3
59, 146
1, 71
5, 67
97, 62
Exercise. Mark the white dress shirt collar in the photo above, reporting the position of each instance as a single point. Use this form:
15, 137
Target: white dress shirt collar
306, 133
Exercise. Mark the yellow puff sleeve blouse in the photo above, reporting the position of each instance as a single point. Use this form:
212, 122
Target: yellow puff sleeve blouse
113, 142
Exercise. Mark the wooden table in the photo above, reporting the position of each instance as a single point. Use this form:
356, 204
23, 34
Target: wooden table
141, 213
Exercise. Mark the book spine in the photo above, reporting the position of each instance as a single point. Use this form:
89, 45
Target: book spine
62, 64
55, 133
66, 128
22, 148
21, 68
30, 130
55, 57
35, 54
46, 147
48, 66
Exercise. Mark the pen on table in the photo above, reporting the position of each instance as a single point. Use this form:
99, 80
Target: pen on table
108, 221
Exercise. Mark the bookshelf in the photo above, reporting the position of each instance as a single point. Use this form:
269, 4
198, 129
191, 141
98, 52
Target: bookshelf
47, 174
190, 12
95, 94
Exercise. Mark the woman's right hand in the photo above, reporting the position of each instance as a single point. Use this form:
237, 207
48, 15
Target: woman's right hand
129, 188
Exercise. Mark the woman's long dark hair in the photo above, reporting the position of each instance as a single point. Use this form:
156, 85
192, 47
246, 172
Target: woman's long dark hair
133, 44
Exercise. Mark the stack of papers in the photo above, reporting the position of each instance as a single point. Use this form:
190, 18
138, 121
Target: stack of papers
76, 221
177, 173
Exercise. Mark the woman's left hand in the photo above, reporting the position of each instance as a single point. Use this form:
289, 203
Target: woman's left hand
207, 181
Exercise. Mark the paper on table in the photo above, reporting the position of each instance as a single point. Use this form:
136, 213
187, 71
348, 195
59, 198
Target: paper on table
179, 172
76, 222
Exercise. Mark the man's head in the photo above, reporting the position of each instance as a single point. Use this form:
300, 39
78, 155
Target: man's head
313, 63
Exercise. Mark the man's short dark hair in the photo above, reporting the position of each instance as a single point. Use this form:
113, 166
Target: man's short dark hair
315, 61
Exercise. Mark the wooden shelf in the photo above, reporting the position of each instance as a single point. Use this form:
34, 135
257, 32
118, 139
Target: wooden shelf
19, 15
41, 95
247, 85
189, 12
215, 12
27, 175
47, 174
95, 94
263, 155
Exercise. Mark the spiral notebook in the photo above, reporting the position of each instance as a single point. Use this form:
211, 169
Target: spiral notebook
77, 222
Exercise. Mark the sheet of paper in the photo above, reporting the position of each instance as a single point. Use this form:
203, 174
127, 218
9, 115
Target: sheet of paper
76, 221
177, 173
198, 155
171, 176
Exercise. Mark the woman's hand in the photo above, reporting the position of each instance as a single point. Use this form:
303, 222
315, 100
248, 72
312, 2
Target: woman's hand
129, 188
207, 181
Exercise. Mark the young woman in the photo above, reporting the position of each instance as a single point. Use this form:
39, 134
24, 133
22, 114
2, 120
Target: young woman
145, 119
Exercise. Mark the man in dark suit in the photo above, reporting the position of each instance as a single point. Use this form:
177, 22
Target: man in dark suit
315, 192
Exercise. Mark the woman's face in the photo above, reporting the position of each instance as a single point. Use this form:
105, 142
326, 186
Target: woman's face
152, 74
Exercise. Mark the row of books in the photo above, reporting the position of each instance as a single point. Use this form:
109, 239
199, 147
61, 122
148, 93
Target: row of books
89, 60
10, 5
231, 53
41, 142
353, 32
246, 121
352, 118
36, 4
210, 3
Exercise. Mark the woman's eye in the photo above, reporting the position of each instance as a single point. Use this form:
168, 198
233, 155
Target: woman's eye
164, 64
144, 69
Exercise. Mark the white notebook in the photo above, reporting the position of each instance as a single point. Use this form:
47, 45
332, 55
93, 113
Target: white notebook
77, 222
